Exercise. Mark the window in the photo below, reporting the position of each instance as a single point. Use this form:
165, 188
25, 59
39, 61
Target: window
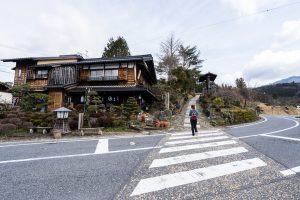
97, 75
111, 74
42, 74
123, 65
130, 65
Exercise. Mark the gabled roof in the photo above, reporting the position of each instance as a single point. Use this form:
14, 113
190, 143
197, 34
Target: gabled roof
206, 76
60, 57
146, 59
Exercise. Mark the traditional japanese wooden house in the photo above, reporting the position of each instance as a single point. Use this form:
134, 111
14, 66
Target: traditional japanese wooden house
67, 78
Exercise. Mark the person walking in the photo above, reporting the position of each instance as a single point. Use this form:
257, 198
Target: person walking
193, 118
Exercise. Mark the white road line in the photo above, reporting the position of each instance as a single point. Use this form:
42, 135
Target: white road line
102, 146
48, 142
15, 144
199, 135
199, 132
291, 171
196, 157
187, 177
269, 133
75, 155
196, 146
196, 140
281, 137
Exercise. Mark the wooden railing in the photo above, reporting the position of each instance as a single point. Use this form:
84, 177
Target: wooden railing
101, 78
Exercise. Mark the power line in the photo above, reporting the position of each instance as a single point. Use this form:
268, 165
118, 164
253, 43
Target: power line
226, 21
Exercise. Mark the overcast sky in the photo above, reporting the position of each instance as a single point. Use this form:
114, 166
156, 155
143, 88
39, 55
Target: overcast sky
235, 37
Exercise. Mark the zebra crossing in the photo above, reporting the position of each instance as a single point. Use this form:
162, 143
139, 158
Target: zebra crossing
177, 151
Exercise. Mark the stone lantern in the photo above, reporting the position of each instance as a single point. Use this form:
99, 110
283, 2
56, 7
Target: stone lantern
62, 124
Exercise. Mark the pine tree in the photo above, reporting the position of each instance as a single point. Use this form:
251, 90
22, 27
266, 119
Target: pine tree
130, 108
116, 48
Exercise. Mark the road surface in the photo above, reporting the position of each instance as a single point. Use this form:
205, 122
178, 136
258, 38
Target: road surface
254, 161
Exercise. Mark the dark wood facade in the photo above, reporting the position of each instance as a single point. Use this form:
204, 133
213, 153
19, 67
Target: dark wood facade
67, 78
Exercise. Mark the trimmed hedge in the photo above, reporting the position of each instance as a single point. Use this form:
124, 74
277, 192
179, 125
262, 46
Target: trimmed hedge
7, 128
243, 116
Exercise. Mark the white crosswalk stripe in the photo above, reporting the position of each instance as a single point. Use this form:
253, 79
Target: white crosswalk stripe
196, 156
181, 143
197, 136
196, 146
181, 178
199, 132
196, 140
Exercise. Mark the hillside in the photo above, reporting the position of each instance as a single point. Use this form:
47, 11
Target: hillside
291, 79
281, 90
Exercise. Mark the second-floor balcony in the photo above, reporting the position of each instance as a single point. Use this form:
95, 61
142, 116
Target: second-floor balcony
102, 78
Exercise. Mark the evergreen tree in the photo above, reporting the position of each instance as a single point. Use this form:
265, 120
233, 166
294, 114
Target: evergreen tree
116, 48
94, 101
189, 56
130, 108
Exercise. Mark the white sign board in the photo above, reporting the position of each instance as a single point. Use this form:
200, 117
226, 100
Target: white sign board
298, 107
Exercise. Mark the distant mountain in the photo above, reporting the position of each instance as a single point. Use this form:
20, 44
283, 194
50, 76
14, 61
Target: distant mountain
291, 79
282, 89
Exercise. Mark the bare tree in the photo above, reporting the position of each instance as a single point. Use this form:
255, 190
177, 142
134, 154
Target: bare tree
169, 59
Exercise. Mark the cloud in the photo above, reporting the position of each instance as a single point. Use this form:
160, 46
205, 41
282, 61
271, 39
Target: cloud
269, 66
289, 34
228, 79
247, 7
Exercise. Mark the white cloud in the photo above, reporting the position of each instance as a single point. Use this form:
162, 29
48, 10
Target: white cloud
228, 79
270, 66
246, 7
289, 34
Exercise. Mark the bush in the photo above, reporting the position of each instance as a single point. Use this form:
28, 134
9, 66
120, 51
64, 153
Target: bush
243, 116
4, 121
73, 124
2, 115
11, 116
27, 125
15, 121
36, 122
79, 108
24, 119
4, 128
105, 121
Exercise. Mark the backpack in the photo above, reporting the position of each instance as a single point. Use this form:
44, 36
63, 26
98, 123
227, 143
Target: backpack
194, 115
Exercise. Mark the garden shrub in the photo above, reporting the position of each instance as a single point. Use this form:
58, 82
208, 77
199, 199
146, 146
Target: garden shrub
15, 121
11, 116
105, 121
243, 116
27, 125
4, 121
24, 119
2, 115
73, 124
36, 122
4, 128
79, 108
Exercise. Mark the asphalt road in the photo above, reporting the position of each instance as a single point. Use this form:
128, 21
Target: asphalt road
70, 169
254, 161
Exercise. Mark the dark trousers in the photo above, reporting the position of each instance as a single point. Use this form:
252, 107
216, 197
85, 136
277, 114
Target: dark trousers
194, 126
